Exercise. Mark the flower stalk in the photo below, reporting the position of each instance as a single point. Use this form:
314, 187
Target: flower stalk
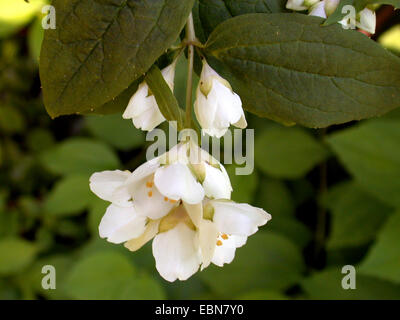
190, 38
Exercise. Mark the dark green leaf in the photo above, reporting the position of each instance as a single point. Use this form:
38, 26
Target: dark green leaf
291, 69
99, 48
213, 12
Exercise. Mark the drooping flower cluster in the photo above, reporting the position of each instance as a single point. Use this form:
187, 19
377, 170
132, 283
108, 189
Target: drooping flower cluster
181, 200
364, 19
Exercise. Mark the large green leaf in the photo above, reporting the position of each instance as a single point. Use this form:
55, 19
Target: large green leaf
327, 285
383, 260
80, 156
356, 216
213, 12
291, 69
110, 275
371, 153
287, 152
99, 48
15, 254
268, 260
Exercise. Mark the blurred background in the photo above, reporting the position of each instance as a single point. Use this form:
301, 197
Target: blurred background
332, 193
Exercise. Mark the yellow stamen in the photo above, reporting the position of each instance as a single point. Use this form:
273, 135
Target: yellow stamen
172, 201
219, 243
149, 184
166, 199
224, 236
150, 194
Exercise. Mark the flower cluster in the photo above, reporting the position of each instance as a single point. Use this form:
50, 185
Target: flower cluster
181, 199
365, 19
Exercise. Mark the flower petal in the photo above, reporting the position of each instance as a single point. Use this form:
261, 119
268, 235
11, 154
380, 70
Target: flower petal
108, 185
176, 181
226, 252
216, 183
176, 253
238, 218
208, 234
318, 10
149, 233
149, 202
120, 224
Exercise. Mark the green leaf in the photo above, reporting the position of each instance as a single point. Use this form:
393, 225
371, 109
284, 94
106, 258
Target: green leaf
267, 260
97, 210
371, 153
292, 229
16, 254
80, 156
356, 217
110, 275
166, 101
99, 48
244, 186
116, 131
119, 103
291, 69
275, 197
62, 265
287, 152
69, 196
327, 285
213, 12
383, 259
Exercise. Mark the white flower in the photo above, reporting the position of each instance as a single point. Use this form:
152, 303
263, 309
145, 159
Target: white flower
297, 5
142, 107
367, 20
226, 226
318, 10
185, 173
120, 224
216, 105
188, 237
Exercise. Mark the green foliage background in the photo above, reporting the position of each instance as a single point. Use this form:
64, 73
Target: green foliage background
333, 195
